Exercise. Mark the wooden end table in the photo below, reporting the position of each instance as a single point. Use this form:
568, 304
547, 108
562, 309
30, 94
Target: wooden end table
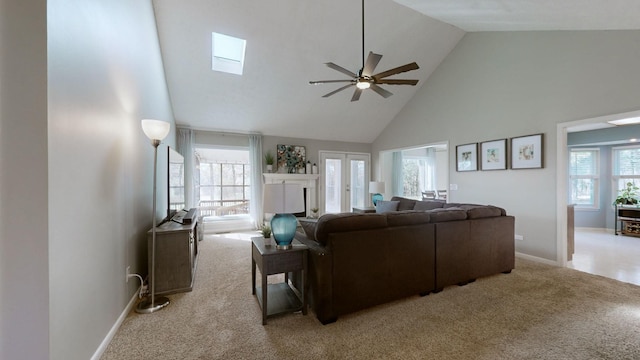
283, 297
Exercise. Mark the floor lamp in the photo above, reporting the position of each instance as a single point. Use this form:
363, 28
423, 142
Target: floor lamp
156, 131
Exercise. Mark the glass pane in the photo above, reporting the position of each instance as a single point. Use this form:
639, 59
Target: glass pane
216, 173
583, 162
411, 178
333, 185
357, 183
247, 175
583, 192
622, 184
627, 161
206, 175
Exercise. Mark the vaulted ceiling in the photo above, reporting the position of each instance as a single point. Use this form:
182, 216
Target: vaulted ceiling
288, 42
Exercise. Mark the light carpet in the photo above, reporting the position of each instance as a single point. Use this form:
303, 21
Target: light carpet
536, 312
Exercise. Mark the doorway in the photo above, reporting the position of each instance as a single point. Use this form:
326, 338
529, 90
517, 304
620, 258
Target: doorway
590, 255
344, 182
409, 172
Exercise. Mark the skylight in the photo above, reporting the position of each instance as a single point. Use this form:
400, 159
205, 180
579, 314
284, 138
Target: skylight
227, 53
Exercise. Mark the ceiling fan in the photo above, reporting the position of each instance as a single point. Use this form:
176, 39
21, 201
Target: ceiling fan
364, 78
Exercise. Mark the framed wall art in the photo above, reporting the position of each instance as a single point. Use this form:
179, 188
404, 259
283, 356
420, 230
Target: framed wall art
527, 152
493, 155
290, 158
467, 157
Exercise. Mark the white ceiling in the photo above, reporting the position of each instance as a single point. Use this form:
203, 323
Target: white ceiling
521, 15
288, 43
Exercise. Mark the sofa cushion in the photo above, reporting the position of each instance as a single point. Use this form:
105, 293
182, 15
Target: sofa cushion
483, 212
309, 227
343, 222
405, 204
460, 205
386, 206
448, 214
407, 217
428, 204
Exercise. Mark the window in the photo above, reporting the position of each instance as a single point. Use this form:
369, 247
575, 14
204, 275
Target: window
626, 167
584, 170
227, 53
225, 181
418, 171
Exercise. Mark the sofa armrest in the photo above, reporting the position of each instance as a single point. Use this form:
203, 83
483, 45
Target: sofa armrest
319, 279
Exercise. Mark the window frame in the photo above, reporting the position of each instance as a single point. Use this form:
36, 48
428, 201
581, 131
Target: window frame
615, 177
594, 177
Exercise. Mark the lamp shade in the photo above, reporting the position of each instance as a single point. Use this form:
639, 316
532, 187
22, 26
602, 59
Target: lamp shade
283, 198
376, 187
155, 129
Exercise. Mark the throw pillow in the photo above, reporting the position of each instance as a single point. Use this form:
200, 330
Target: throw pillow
386, 206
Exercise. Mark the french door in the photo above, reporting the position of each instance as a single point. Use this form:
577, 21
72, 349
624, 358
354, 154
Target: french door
344, 181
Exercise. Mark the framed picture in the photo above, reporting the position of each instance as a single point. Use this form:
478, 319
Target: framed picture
493, 155
527, 152
467, 157
290, 158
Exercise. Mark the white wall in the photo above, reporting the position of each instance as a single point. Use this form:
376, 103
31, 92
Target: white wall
501, 85
105, 75
24, 274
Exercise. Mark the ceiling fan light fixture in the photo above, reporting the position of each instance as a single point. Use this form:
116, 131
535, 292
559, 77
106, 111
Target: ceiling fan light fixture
366, 78
363, 84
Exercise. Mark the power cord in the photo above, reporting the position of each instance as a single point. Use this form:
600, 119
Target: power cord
143, 287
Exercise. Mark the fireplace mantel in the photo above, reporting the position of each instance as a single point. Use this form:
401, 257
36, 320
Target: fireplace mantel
308, 181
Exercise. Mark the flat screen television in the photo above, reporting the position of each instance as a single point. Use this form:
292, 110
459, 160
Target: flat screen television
175, 182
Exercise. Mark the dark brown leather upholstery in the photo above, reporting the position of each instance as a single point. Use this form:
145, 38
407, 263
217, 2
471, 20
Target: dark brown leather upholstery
362, 260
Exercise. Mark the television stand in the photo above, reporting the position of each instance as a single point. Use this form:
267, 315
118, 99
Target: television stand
176, 255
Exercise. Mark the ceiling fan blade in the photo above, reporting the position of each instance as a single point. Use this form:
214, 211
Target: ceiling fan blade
338, 90
341, 69
356, 95
398, 70
329, 81
397, 82
372, 61
384, 93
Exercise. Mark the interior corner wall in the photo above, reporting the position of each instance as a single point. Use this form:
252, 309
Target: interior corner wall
105, 74
497, 85
24, 269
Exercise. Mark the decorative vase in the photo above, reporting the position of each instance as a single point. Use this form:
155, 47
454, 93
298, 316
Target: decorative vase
283, 229
308, 167
314, 169
269, 168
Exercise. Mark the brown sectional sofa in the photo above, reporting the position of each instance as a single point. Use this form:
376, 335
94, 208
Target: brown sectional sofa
361, 260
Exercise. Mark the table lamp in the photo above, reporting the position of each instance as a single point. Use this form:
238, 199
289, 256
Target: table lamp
283, 200
376, 188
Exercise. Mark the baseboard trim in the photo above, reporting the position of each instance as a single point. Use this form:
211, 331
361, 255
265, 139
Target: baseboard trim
114, 329
536, 259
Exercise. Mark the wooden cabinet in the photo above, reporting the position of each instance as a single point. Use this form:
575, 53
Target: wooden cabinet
628, 220
176, 256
